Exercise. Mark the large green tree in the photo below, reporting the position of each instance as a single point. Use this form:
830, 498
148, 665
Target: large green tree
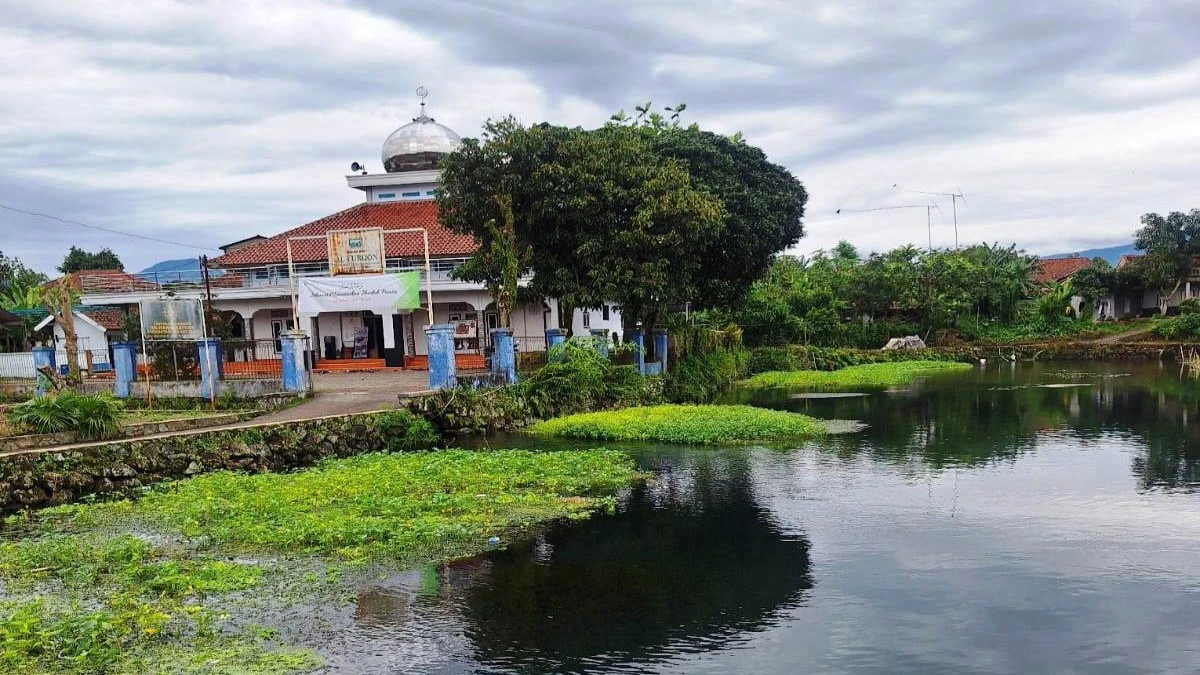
1168, 245
642, 213
78, 259
763, 206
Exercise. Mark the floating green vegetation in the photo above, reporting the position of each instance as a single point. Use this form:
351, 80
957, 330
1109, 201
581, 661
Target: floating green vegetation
872, 375
78, 594
683, 424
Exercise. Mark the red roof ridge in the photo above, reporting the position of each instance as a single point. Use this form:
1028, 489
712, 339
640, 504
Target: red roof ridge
386, 215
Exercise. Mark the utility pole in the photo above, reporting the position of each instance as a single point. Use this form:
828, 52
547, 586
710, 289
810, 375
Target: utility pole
954, 197
207, 295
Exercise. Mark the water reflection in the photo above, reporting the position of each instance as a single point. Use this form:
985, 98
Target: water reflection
1000, 413
692, 563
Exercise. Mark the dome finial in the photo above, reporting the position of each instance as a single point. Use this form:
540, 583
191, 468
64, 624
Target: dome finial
422, 93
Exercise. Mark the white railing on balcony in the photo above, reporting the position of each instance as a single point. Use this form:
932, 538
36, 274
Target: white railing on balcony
261, 276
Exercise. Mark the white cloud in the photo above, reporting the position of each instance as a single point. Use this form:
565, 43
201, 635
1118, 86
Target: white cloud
210, 121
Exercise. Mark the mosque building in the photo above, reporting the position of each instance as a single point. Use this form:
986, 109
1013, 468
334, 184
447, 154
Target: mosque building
254, 282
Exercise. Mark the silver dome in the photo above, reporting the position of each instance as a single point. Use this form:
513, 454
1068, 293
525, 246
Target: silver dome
417, 145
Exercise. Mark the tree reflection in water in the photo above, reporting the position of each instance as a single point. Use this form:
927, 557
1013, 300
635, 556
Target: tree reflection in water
1002, 413
691, 563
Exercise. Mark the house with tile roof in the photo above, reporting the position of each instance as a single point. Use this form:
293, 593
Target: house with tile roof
254, 281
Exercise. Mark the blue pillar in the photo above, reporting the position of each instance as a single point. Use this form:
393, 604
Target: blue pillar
439, 339
504, 358
639, 345
554, 337
660, 346
600, 337
124, 367
292, 345
42, 356
210, 368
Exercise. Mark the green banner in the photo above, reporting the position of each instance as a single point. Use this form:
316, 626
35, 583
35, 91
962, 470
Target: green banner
409, 286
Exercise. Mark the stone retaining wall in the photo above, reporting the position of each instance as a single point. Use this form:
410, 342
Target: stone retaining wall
37, 479
34, 441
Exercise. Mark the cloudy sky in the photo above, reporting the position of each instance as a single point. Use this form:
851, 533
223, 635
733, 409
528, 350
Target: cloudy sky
1062, 122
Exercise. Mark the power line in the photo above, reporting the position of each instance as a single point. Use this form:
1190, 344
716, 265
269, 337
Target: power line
14, 209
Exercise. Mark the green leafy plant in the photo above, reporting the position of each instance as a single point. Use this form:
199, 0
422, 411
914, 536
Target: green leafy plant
683, 424
405, 431
90, 417
868, 376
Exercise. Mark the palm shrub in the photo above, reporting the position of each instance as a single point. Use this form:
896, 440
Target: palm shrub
90, 417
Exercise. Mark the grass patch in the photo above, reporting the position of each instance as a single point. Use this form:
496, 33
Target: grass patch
426, 507
868, 376
139, 416
78, 594
683, 424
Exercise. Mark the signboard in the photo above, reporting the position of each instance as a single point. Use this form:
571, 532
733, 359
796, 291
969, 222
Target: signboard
380, 293
355, 251
177, 319
464, 330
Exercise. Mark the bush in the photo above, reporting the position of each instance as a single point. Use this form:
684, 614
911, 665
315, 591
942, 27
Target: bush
767, 359
700, 378
405, 431
683, 424
1185, 326
89, 417
874, 375
802, 357
579, 378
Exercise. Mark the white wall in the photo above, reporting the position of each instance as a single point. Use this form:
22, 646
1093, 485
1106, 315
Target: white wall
91, 338
596, 320
379, 193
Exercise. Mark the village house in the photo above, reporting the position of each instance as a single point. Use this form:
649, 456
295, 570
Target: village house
254, 282
1146, 301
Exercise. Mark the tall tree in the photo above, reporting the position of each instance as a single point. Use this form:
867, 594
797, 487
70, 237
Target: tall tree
1168, 245
78, 259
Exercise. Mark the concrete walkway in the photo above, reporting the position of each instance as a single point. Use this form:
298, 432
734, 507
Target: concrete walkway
333, 394
347, 393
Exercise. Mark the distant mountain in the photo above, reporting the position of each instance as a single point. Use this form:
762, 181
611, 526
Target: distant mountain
1112, 254
183, 269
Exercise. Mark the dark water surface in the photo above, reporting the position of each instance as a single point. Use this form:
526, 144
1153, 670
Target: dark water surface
983, 523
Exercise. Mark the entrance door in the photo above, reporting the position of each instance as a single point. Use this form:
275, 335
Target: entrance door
374, 325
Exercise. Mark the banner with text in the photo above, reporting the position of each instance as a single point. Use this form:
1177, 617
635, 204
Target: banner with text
356, 251
379, 293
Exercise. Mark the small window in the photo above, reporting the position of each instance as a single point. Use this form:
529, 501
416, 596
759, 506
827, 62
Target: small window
431, 193
587, 319
604, 309
410, 194
386, 195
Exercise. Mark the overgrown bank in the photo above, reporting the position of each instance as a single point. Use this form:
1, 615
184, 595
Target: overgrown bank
78, 598
39, 479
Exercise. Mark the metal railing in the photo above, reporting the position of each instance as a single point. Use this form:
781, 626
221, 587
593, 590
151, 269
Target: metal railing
250, 359
259, 276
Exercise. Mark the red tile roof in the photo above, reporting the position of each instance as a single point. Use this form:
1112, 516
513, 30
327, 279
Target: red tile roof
1057, 269
109, 319
389, 216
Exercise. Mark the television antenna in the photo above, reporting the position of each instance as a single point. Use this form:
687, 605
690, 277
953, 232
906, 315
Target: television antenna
954, 197
928, 218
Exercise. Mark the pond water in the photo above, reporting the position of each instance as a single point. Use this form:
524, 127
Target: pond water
982, 523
